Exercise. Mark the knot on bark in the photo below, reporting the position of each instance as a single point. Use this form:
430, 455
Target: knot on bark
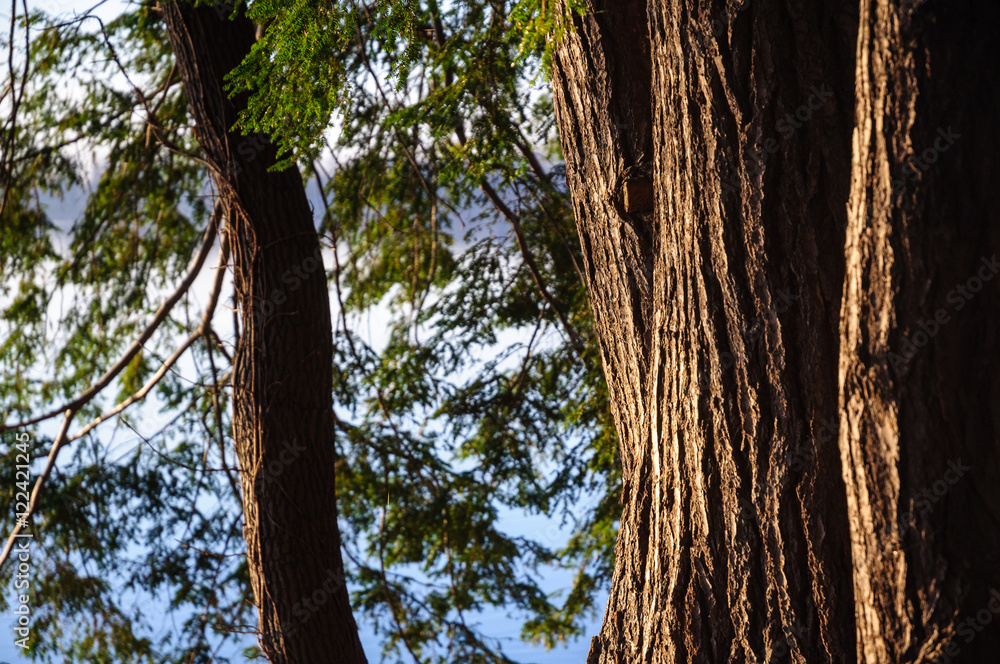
634, 193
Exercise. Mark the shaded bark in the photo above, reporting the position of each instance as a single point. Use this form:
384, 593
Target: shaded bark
282, 376
919, 356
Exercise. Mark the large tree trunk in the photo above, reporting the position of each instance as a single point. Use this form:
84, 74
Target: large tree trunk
282, 378
919, 373
746, 315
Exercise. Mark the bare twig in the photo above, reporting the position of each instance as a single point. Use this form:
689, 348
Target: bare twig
71, 409
203, 328
123, 361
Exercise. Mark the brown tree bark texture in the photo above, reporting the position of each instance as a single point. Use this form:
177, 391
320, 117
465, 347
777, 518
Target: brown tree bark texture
918, 374
746, 316
282, 378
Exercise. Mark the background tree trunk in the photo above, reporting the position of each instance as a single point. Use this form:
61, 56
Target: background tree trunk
282, 378
745, 332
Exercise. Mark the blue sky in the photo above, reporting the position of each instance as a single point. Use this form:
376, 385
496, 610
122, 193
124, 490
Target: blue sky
573, 653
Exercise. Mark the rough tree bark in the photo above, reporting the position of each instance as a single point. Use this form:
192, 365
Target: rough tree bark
282, 378
747, 317
918, 376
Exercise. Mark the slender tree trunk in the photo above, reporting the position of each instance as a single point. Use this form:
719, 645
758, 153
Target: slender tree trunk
747, 314
282, 378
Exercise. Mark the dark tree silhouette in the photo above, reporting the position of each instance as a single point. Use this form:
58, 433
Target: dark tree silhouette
283, 366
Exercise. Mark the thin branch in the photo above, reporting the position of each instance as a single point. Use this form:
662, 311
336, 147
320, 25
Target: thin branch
202, 330
529, 261
530, 157
71, 409
565, 240
39, 483
123, 361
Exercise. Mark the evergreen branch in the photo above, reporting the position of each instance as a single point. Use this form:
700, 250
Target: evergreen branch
512, 218
71, 409
161, 315
203, 330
